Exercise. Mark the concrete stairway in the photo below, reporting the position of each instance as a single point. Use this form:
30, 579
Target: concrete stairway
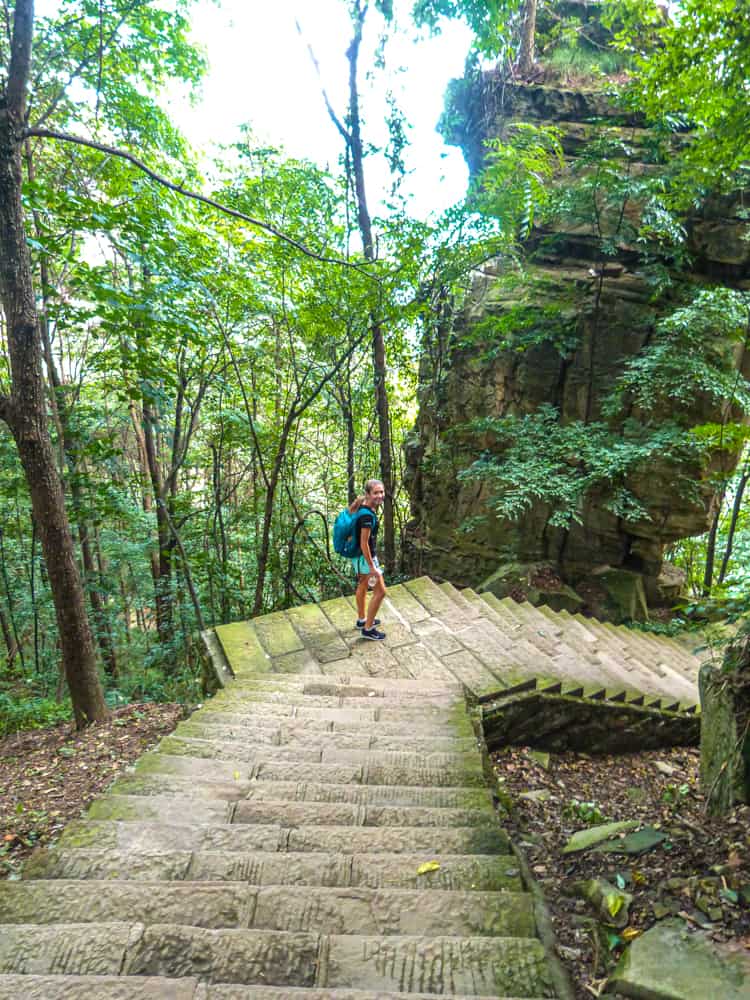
322, 826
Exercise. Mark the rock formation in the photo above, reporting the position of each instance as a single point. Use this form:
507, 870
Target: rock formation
605, 311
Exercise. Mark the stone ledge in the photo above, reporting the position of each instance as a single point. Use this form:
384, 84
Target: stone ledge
556, 717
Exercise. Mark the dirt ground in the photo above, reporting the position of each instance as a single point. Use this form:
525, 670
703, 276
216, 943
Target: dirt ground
48, 776
699, 872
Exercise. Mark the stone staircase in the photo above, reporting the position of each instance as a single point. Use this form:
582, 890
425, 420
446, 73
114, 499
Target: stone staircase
322, 827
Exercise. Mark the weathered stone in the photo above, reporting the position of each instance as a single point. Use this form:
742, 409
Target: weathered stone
488, 873
144, 836
66, 949
105, 902
225, 956
499, 966
672, 962
277, 635
145, 866
396, 840
97, 988
242, 649
394, 912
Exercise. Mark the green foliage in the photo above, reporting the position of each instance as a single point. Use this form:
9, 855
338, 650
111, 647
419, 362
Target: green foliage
515, 185
690, 70
588, 813
521, 327
20, 713
692, 355
536, 459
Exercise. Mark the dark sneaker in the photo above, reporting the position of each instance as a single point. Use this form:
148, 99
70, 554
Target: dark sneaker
361, 622
372, 633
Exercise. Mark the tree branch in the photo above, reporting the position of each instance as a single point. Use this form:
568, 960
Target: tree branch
329, 107
46, 133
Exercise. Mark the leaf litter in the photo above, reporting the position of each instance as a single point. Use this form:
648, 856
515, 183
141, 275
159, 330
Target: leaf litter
50, 776
679, 862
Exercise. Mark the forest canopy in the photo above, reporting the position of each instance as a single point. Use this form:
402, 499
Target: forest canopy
193, 386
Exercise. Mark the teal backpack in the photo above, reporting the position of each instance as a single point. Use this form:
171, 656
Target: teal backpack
345, 533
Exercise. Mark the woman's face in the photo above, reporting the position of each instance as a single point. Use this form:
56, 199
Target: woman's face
376, 496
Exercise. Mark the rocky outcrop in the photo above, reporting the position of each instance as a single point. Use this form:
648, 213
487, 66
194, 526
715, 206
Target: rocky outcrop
578, 318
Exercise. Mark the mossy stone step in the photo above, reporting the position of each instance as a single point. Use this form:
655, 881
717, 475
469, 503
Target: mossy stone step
399, 840
288, 791
347, 685
135, 835
300, 771
473, 965
317, 753
274, 993
470, 965
234, 905
242, 648
149, 835
291, 737
296, 814
104, 988
406, 605
459, 723
160, 988
437, 603
480, 873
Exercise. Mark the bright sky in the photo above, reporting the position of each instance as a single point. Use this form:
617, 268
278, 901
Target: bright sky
261, 73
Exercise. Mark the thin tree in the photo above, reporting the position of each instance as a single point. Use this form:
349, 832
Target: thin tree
351, 133
24, 409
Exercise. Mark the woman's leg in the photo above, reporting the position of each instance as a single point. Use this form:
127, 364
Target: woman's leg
360, 595
378, 593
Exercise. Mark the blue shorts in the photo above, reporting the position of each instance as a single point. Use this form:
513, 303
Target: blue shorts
362, 568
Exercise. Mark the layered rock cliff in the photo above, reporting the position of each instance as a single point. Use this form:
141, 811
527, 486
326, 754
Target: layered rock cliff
569, 356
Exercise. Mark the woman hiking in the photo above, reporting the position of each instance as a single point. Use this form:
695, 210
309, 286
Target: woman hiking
366, 565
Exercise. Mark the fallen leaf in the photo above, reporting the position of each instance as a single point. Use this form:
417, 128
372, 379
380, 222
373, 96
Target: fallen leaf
428, 866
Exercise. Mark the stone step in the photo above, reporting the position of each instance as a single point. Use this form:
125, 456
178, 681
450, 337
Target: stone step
320, 753
467, 607
406, 605
295, 814
370, 711
290, 736
438, 604
115, 987
440, 964
480, 873
160, 988
275, 993
323, 910
282, 813
358, 698
159, 834
301, 771
347, 685
320, 724
288, 791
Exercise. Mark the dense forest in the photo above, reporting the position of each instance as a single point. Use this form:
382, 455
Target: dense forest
197, 374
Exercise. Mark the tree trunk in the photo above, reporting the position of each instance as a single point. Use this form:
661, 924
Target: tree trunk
24, 409
736, 508
378, 342
163, 596
528, 36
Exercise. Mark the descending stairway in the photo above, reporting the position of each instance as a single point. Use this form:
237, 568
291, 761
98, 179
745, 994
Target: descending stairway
322, 827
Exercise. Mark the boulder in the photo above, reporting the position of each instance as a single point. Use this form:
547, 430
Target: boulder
670, 962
